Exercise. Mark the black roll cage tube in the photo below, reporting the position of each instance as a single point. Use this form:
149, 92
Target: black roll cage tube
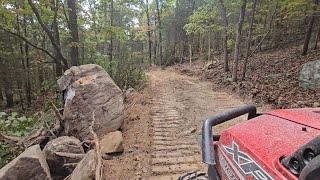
207, 134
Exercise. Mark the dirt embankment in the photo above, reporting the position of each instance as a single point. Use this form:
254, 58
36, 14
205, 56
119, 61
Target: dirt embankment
272, 78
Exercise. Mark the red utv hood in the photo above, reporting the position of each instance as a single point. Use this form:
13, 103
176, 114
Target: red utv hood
307, 117
271, 136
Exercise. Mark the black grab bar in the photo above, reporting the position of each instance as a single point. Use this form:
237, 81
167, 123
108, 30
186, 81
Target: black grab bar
207, 138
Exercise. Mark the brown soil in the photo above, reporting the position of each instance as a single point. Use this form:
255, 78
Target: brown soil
163, 125
134, 162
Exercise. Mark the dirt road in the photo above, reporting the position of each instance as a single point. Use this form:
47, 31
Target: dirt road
180, 104
163, 125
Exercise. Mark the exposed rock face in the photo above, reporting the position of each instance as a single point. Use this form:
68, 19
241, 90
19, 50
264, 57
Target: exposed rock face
31, 164
85, 170
62, 144
88, 89
310, 75
112, 143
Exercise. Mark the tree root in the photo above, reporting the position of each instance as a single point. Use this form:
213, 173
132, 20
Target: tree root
11, 140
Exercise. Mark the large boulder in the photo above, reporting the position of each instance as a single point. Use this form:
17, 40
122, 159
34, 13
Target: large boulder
31, 164
87, 89
85, 170
64, 144
310, 75
112, 143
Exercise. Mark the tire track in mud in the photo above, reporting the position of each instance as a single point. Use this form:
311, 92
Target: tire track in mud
175, 146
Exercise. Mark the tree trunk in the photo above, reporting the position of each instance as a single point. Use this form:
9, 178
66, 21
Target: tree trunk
160, 34
176, 33
111, 35
309, 31
155, 43
27, 60
1, 95
249, 40
73, 25
49, 34
238, 41
149, 32
8, 94
7, 86
24, 51
22, 59
209, 47
225, 36
268, 30
28, 83
190, 54
56, 37
316, 39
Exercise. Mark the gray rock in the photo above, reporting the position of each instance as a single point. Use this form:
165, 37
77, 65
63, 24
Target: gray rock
310, 75
208, 66
129, 93
30, 165
88, 89
62, 144
85, 170
112, 143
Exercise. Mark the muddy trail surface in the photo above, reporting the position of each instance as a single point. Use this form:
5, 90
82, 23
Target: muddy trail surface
180, 104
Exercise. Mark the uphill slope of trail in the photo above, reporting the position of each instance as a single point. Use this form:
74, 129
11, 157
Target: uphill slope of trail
179, 105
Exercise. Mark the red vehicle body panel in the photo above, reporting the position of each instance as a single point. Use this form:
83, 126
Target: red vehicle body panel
307, 117
267, 139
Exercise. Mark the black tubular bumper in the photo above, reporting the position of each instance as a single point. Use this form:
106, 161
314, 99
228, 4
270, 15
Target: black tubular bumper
207, 138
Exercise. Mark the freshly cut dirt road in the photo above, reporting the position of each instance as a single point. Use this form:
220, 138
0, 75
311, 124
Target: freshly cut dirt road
180, 104
163, 125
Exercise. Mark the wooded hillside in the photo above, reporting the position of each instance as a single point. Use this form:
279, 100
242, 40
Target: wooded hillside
41, 39
266, 50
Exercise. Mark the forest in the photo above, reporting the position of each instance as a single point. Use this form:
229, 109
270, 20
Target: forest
39, 40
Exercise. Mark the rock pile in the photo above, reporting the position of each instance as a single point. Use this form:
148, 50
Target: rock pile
92, 109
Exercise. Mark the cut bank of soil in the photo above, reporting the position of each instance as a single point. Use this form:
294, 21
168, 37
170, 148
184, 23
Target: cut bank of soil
163, 125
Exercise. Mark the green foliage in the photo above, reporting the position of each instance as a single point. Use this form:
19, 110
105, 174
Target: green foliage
205, 19
46, 85
293, 9
51, 88
125, 75
231, 43
130, 77
16, 125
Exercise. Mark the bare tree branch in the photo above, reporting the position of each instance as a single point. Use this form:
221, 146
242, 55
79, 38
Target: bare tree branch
48, 32
30, 43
